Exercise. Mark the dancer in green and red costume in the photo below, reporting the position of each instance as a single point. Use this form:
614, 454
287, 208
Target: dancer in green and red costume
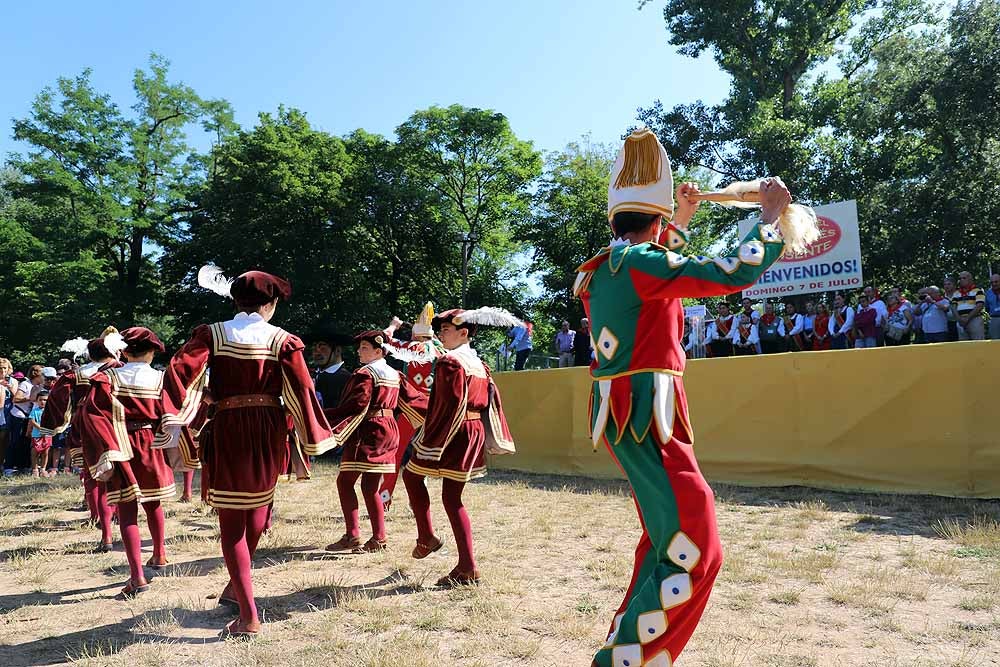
632, 293
419, 355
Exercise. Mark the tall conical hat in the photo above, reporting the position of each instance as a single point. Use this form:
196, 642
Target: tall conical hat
641, 180
423, 325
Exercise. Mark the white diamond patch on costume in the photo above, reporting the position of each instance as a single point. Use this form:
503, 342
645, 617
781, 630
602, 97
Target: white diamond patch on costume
418, 378
661, 659
601, 421
629, 655
727, 264
675, 240
701, 259
683, 551
652, 624
770, 233
675, 590
674, 260
607, 343
614, 633
752, 253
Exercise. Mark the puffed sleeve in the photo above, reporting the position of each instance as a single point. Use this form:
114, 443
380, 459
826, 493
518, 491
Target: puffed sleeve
105, 439
353, 407
183, 384
446, 409
299, 394
59, 409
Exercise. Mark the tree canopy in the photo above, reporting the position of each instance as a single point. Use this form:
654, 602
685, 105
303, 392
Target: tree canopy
109, 211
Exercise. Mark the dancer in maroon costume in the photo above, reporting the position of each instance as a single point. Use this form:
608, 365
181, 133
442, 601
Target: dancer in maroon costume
257, 372
118, 419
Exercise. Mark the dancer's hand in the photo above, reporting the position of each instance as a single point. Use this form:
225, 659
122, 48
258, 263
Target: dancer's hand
686, 208
774, 199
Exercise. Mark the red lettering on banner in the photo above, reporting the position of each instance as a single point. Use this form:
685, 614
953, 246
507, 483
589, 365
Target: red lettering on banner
829, 237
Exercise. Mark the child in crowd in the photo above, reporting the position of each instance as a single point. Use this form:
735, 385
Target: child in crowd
40, 443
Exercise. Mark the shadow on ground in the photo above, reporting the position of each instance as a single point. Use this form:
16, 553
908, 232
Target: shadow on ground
110, 639
881, 513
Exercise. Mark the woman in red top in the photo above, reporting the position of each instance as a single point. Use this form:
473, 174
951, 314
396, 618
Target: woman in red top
821, 328
865, 324
257, 373
118, 420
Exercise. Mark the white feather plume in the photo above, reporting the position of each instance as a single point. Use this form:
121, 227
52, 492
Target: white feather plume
491, 317
797, 223
212, 278
799, 227
409, 355
78, 346
115, 343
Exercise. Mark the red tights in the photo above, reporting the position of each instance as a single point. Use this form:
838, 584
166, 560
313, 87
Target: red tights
128, 522
370, 482
451, 498
241, 531
97, 501
188, 484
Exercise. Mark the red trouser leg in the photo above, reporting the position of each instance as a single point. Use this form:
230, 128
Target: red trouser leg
128, 523
420, 503
188, 483
104, 510
258, 520
349, 501
157, 529
451, 498
389, 479
370, 482
233, 525
90, 497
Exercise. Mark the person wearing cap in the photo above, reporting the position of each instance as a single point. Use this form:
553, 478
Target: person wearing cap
327, 345
418, 354
258, 372
632, 292
118, 420
61, 416
465, 421
364, 425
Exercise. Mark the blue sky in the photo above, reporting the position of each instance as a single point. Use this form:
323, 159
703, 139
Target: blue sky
556, 68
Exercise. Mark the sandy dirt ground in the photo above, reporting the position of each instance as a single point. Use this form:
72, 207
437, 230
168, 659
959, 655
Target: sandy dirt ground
811, 578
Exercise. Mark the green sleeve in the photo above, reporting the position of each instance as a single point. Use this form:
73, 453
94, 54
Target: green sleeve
659, 273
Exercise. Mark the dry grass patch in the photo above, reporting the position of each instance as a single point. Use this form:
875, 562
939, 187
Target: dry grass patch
810, 578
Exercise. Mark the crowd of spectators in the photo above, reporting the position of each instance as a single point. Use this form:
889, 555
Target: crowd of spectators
951, 312
23, 446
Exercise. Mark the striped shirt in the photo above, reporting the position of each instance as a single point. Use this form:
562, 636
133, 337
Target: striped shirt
965, 301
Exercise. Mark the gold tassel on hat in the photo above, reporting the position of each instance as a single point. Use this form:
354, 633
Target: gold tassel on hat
108, 331
642, 160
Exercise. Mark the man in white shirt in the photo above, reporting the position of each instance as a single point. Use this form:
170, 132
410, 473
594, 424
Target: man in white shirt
794, 325
841, 324
564, 344
719, 335
744, 336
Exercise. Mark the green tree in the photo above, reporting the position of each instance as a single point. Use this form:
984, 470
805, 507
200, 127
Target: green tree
110, 182
473, 160
881, 103
275, 203
400, 230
